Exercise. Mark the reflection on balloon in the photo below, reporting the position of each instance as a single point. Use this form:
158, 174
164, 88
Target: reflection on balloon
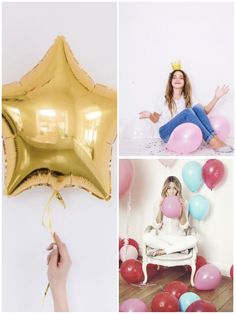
58, 127
185, 139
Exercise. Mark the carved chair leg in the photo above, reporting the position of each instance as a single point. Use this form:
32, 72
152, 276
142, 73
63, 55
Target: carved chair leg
144, 267
193, 266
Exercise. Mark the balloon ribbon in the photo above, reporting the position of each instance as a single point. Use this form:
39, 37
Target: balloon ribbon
47, 223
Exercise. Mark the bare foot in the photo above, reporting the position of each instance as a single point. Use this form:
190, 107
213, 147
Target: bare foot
159, 253
215, 142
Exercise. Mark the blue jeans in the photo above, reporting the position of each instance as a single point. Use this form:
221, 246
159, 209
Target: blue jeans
195, 115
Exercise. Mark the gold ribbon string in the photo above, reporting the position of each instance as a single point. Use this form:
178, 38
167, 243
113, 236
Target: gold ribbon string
47, 223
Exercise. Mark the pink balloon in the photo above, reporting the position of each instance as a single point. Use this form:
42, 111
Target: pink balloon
171, 207
186, 138
133, 305
207, 277
221, 126
213, 172
126, 172
128, 252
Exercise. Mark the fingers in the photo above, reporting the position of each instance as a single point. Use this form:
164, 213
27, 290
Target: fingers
64, 255
52, 258
51, 246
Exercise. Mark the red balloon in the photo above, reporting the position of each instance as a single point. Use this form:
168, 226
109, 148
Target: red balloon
176, 288
201, 306
232, 272
212, 172
152, 271
199, 263
165, 302
131, 271
130, 242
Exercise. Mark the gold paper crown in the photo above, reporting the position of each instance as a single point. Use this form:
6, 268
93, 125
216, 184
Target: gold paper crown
176, 65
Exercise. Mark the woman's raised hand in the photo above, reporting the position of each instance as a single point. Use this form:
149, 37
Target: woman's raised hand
144, 115
221, 91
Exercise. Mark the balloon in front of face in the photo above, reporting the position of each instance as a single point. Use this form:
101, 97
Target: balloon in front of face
192, 175
133, 305
213, 172
126, 171
185, 139
198, 207
207, 277
171, 207
221, 126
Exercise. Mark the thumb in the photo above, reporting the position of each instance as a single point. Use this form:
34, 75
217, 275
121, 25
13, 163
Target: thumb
53, 258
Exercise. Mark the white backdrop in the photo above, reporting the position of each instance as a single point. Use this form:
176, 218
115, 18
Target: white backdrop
152, 35
215, 232
87, 225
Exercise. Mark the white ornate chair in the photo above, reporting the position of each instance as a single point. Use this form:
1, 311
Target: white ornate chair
173, 259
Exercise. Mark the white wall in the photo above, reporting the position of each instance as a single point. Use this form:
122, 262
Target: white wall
87, 225
154, 34
215, 232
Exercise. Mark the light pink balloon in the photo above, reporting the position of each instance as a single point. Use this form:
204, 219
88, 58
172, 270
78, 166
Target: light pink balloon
185, 138
128, 252
221, 126
207, 277
133, 305
171, 207
126, 172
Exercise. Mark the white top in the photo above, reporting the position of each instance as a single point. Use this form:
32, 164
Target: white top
171, 226
165, 113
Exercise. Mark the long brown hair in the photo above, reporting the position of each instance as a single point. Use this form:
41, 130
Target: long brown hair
187, 92
176, 183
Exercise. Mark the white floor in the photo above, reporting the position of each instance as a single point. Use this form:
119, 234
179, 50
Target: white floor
155, 147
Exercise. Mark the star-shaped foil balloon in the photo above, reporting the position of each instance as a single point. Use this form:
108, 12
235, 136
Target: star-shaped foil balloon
58, 127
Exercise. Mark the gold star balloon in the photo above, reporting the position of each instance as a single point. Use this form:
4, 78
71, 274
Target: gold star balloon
58, 127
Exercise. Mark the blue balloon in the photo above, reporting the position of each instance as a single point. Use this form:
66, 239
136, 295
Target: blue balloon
192, 175
186, 299
198, 207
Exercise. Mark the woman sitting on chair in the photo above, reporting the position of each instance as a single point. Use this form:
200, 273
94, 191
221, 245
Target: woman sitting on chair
170, 233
